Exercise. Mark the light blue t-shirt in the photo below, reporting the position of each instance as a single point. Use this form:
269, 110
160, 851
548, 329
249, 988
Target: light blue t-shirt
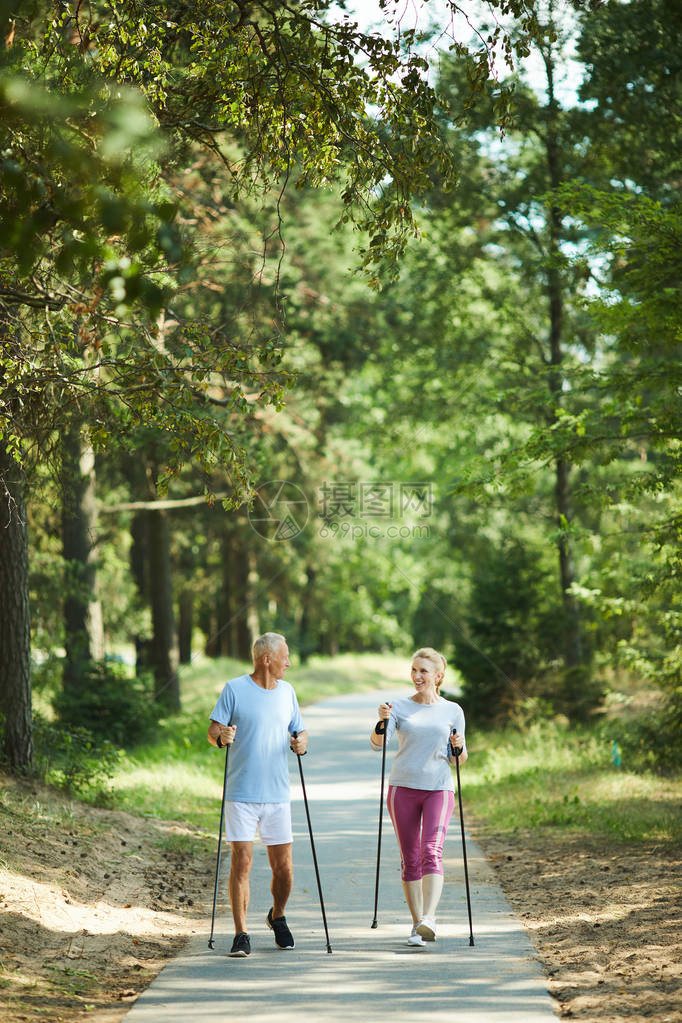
258, 768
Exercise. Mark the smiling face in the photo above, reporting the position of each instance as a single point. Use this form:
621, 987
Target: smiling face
426, 677
278, 660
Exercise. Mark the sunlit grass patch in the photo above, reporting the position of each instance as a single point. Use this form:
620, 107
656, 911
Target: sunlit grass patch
168, 790
551, 776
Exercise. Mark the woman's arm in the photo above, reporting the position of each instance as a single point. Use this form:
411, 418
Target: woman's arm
457, 743
377, 738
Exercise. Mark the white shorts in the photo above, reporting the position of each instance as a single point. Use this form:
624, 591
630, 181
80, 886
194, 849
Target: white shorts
272, 820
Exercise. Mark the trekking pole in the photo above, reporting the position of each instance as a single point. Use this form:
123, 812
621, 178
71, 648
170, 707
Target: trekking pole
381, 817
312, 846
464, 848
220, 842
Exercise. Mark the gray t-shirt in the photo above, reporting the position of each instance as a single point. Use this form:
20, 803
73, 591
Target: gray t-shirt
423, 735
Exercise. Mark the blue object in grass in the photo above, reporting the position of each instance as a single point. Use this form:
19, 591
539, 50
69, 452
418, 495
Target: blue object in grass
616, 758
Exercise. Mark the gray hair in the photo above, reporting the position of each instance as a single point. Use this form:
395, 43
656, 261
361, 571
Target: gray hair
266, 644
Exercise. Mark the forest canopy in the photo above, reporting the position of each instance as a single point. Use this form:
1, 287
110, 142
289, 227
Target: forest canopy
364, 333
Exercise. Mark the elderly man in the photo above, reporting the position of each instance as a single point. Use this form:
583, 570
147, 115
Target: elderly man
256, 715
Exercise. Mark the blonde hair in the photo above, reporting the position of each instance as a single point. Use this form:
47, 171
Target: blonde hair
427, 653
266, 644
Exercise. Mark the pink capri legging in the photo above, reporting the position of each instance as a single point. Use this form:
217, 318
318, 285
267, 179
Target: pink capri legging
420, 819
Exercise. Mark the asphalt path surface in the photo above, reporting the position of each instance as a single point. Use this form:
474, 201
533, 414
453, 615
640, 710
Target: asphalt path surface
370, 973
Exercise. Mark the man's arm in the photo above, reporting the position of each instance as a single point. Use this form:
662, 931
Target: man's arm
300, 743
225, 733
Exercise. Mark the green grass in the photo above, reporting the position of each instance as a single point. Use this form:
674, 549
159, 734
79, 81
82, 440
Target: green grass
550, 777
179, 776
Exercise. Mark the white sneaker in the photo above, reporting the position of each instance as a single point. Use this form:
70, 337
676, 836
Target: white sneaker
416, 939
427, 928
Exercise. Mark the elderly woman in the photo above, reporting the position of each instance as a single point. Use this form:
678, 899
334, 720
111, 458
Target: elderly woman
420, 787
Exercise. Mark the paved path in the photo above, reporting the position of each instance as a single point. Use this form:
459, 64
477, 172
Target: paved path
370, 973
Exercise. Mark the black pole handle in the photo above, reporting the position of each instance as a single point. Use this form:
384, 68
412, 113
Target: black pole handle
455, 751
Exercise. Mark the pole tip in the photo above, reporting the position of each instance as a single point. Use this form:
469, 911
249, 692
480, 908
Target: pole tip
471, 940
374, 924
211, 943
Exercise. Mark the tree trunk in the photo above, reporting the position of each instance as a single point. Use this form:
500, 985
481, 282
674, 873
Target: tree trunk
573, 646
186, 566
226, 638
218, 624
164, 646
139, 567
244, 589
573, 634
234, 601
84, 634
236, 576
15, 628
307, 641
252, 581
185, 625
212, 631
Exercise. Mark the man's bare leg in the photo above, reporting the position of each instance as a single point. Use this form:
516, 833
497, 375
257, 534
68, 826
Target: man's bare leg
240, 869
281, 864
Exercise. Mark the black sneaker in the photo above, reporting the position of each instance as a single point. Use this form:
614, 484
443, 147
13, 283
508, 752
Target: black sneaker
283, 936
241, 946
